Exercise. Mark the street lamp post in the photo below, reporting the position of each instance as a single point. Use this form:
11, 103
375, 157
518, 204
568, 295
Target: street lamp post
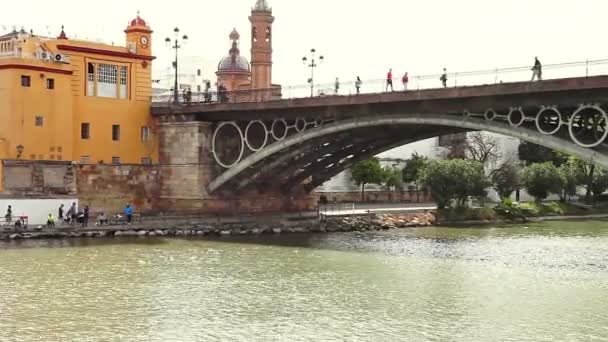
176, 46
313, 64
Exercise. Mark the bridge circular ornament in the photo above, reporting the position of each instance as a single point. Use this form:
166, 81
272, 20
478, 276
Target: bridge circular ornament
490, 114
581, 122
547, 118
249, 139
214, 144
516, 117
300, 125
274, 128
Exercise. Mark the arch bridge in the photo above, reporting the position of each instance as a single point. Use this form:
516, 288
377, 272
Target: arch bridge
296, 145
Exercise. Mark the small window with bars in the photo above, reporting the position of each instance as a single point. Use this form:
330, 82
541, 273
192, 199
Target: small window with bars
26, 81
39, 121
146, 161
115, 160
85, 130
85, 159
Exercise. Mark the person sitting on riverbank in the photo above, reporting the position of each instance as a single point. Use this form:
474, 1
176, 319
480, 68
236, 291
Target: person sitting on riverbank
102, 219
50, 221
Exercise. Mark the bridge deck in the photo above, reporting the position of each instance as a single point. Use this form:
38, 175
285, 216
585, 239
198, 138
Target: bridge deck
549, 92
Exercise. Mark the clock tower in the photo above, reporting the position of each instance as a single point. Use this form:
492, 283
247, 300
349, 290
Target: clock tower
139, 37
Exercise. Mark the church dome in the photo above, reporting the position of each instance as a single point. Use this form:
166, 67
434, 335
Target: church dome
233, 63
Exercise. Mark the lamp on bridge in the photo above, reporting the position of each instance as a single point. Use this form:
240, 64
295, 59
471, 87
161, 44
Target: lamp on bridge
313, 64
176, 45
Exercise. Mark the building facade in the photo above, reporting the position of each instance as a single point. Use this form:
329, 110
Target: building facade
63, 99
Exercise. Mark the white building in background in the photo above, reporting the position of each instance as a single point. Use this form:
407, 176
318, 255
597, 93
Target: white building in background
193, 72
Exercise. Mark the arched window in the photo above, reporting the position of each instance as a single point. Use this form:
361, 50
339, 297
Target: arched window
254, 34
268, 34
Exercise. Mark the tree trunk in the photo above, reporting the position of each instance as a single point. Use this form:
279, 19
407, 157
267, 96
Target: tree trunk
417, 194
589, 186
362, 192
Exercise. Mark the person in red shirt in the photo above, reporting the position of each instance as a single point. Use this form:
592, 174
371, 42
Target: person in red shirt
405, 79
389, 80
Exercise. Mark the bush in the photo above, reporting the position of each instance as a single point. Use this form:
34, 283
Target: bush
542, 179
454, 179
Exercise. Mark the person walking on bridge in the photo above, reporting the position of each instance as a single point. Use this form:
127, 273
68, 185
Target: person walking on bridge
405, 79
389, 79
444, 78
358, 83
337, 86
537, 70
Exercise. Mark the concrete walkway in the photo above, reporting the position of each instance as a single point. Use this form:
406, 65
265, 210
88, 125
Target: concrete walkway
371, 208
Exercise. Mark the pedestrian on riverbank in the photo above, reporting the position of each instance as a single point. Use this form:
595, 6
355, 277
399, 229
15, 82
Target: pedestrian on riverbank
389, 79
537, 70
50, 221
9, 214
85, 217
405, 79
337, 86
71, 214
358, 84
444, 78
128, 213
60, 214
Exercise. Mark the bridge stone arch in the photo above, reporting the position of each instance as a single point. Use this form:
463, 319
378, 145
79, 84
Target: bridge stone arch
463, 123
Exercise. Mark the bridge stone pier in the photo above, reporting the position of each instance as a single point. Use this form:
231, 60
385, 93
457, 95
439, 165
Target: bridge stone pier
188, 167
269, 156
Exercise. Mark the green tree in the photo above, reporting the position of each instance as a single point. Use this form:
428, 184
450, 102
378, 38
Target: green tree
584, 174
542, 179
600, 183
367, 172
506, 179
570, 182
454, 179
412, 171
392, 178
532, 154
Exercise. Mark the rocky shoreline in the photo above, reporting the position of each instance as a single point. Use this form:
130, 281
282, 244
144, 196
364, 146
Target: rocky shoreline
170, 228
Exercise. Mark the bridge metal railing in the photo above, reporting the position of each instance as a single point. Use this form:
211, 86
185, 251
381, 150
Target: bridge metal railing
373, 86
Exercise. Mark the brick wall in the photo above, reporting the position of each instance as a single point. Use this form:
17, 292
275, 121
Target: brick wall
42, 179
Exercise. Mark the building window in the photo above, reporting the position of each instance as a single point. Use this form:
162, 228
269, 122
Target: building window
85, 130
115, 132
26, 81
50, 83
59, 157
123, 83
145, 134
39, 121
85, 159
146, 161
59, 149
108, 80
115, 160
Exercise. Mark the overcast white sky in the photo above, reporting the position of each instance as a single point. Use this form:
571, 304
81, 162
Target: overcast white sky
357, 37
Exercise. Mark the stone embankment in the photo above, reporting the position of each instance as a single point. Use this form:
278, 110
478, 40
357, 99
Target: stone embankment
200, 229
380, 222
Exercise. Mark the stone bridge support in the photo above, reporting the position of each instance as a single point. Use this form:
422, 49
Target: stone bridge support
188, 167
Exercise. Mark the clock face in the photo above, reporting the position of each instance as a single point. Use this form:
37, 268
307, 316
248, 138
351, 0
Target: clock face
143, 40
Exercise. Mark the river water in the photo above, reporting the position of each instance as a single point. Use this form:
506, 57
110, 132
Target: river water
546, 282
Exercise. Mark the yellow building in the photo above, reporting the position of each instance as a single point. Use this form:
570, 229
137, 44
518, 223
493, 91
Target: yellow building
74, 100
